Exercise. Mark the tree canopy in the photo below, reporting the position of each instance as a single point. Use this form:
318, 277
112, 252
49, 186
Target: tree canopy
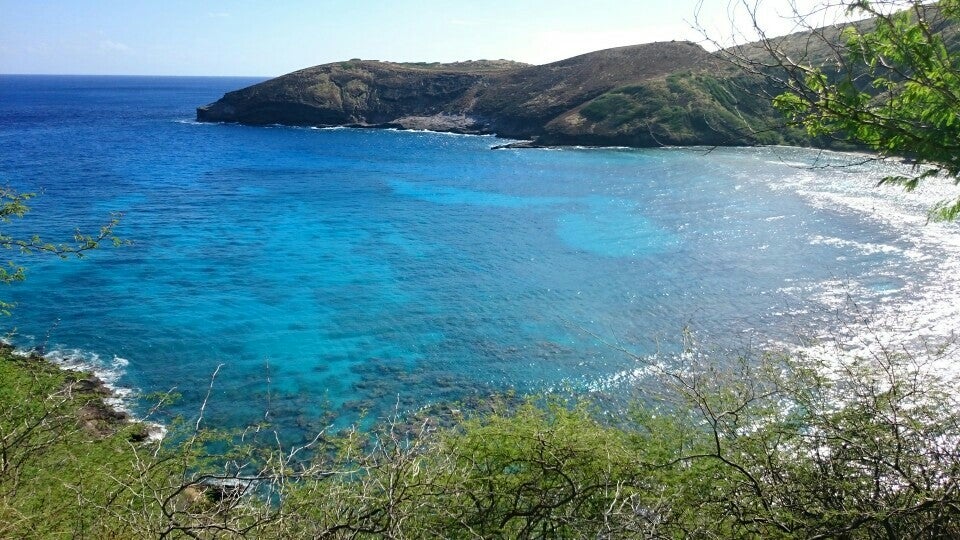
890, 82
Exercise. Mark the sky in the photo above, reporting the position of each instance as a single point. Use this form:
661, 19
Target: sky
269, 38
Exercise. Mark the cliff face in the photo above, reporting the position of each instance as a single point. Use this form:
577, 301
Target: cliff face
355, 92
643, 95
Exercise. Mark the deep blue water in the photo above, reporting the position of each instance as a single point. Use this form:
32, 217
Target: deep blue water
355, 269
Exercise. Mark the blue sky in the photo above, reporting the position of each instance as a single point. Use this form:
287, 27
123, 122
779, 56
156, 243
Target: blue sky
177, 37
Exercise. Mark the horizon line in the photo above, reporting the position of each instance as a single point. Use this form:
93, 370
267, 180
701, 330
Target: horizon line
128, 75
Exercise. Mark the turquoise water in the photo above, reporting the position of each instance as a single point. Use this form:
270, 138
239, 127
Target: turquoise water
355, 270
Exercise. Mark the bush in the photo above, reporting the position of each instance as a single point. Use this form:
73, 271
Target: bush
763, 446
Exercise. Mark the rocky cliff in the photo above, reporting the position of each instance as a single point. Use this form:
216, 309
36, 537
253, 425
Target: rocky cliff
643, 95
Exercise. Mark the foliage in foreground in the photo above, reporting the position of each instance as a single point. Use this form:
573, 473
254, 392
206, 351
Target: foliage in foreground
891, 83
13, 205
771, 447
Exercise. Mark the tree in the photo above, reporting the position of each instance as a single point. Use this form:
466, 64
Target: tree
890, 82
787, 446
13, 205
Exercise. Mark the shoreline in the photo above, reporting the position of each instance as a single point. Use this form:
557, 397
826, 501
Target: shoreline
511, 143
102, 412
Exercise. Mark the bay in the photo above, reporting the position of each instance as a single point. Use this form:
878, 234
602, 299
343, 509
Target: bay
356, 271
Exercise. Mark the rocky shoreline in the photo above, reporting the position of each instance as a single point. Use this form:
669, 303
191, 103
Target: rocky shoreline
95, 414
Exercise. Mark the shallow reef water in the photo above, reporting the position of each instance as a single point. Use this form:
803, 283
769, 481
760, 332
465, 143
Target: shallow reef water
356, 271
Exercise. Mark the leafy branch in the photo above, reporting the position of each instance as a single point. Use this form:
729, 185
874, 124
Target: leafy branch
14, 205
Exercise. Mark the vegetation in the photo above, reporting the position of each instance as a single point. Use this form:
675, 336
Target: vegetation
51, 456
689, 108
890, 83
776, 446
13, 205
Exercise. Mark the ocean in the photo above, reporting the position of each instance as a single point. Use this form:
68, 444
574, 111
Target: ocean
358, 272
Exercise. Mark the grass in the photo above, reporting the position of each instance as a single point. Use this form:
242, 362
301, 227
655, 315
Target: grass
59, 444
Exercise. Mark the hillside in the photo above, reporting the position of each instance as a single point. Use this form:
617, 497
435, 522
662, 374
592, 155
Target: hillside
668, 93
642, 95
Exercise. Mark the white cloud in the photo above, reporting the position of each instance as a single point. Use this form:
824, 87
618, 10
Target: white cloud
109, 45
